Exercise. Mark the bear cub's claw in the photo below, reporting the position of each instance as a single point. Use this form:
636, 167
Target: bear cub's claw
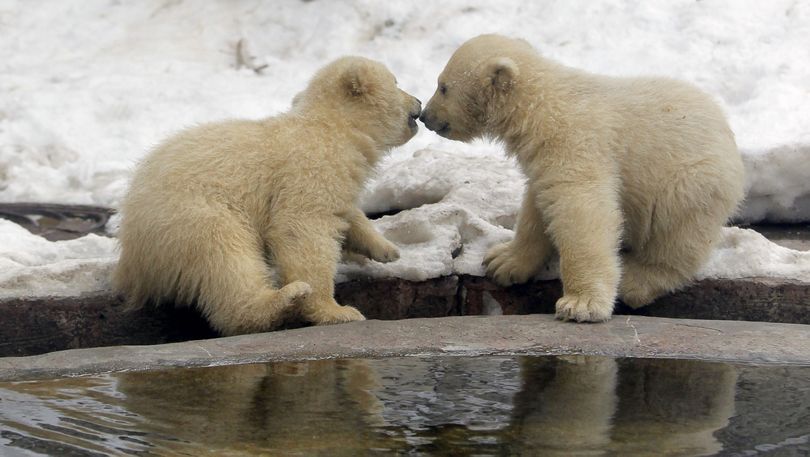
583, 308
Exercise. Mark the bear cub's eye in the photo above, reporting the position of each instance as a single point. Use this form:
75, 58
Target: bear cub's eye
443, 89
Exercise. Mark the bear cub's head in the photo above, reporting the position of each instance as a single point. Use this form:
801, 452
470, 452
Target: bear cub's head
475, 83
363, 94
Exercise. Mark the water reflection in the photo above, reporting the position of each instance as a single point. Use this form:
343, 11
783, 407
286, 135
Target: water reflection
565, 404
576, 405
672, 408
303, 407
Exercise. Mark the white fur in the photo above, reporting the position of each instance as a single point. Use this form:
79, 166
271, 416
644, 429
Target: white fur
208, 208
629, 179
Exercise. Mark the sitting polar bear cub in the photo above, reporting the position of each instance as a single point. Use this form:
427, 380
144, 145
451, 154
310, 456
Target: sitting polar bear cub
208, 208
647, 165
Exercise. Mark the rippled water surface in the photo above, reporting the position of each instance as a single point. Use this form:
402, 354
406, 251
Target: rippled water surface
418, 406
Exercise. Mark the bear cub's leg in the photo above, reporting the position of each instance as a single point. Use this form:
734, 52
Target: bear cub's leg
311, 256
234, 289
670, 259
519, 260
584, 222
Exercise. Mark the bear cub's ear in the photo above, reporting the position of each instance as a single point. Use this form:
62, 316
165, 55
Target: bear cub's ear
358, 80
500, 72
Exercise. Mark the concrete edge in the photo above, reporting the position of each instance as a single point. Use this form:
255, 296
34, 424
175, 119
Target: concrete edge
623, 336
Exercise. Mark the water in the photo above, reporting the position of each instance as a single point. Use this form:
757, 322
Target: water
574, 405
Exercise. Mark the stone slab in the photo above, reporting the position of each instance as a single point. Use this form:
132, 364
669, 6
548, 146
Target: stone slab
629, 336
36, 326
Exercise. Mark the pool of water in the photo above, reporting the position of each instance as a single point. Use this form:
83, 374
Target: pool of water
576, 405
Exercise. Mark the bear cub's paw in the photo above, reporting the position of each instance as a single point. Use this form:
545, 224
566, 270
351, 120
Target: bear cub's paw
584, 308
635, 297
295, 291
635, 289
508, 264
384, 252
335, 314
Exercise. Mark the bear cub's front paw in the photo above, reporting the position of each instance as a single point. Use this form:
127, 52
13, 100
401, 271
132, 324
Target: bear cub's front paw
584, 308
384, 252
507, 264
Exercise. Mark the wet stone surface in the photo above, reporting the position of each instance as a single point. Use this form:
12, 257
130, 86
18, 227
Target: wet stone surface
568, 405
537, 334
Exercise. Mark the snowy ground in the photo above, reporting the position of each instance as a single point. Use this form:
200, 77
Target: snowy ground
86, 88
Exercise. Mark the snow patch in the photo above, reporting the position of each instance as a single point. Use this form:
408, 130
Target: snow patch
31, 266
744, 253
778, 187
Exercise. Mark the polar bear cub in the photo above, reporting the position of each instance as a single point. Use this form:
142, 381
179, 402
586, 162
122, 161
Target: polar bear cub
209, 208
629, 179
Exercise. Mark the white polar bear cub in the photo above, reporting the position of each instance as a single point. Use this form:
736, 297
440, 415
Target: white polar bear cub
629, 179
209, 208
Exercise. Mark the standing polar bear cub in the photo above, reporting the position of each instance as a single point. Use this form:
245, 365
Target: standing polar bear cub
629, 179
211, 206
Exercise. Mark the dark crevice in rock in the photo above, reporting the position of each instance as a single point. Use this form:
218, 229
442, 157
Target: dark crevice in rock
381, 214
57, 222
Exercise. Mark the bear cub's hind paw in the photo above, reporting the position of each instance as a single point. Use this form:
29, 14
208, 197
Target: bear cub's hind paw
583, 308
335, 314
294, 291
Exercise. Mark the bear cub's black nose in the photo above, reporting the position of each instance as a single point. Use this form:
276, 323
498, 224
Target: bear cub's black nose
418, 110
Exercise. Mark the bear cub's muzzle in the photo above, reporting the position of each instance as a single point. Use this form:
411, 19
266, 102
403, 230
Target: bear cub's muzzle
432, 124
414, 114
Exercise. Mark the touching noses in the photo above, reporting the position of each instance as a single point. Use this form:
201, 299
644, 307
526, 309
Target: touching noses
428, 120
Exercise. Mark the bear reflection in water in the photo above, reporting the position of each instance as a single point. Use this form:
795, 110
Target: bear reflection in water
303, 407
554, 406
601, 406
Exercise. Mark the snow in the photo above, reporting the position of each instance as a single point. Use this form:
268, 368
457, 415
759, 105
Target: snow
452, 213
87, 88
745, 254
33, 266
781, 190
